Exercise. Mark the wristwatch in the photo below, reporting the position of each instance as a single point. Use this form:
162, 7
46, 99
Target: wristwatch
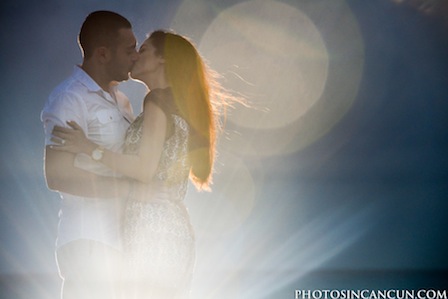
97, 153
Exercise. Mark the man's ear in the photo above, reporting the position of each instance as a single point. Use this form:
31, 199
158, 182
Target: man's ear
103, 54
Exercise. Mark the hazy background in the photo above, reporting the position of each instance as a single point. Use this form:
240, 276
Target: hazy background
335, 177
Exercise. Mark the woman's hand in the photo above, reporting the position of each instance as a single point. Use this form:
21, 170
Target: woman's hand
72, 139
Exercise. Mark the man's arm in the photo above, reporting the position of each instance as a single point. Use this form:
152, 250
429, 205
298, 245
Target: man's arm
62, 175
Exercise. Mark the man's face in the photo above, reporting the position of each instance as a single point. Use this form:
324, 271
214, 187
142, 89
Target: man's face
124, 55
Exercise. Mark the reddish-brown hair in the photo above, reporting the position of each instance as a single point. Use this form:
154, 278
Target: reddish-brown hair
194, 90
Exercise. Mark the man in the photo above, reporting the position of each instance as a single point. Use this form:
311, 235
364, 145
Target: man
88, 244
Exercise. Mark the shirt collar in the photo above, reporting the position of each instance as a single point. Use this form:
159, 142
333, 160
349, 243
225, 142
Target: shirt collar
85, 79
91, 85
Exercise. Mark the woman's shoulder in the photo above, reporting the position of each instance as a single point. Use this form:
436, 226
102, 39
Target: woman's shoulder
163, 98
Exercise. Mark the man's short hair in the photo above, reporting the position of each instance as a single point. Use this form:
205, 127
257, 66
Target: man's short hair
100, 28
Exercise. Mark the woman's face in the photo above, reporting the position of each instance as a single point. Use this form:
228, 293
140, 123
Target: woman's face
148, 62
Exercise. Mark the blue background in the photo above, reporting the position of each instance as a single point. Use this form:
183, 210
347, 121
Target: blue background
377, 199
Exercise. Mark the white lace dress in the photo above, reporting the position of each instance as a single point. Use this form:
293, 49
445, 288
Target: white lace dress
158, 237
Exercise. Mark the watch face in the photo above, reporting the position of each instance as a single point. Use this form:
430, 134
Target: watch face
97, 154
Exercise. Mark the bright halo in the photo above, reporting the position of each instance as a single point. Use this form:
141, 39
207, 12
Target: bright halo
271, 52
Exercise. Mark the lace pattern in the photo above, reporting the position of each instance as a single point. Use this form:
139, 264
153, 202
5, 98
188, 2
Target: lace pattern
158, 236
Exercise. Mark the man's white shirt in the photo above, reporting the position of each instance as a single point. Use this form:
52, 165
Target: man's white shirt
104, 117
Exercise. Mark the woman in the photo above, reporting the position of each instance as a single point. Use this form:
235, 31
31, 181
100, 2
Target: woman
173, 139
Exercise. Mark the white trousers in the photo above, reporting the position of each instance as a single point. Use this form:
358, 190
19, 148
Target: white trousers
90, 270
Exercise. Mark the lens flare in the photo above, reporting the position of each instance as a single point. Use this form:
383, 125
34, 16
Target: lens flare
297, 76
278, 52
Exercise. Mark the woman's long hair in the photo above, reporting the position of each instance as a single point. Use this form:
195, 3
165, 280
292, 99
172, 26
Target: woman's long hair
198, 97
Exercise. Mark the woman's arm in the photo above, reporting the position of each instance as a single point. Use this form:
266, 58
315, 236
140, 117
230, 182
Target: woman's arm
61, 175
141, 166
